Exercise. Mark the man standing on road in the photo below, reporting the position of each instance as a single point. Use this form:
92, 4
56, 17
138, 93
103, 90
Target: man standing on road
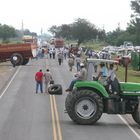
39, 80
48, 78
60, 57
78, 61
71, 62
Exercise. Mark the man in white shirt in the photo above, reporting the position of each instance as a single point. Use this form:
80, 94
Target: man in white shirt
112, 78
47, 79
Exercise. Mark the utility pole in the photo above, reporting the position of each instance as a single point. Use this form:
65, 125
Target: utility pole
22, 28
41, 37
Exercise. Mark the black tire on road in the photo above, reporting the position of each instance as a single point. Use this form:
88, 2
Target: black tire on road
84, 106
25, 61
55, 89
16, 59
136, 115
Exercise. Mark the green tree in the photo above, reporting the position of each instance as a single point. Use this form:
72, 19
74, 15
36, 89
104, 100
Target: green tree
55, 30
134, 25
82, 30
7, 32
66, 31
112, 37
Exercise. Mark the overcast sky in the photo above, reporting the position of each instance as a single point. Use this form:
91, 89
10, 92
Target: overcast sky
37, 14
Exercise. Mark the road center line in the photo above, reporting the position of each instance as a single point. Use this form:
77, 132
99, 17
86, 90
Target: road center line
57, 135
57, 119
53, 118
10, 81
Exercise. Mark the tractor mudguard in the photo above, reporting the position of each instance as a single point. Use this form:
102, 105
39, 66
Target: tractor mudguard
130, 89
92, 84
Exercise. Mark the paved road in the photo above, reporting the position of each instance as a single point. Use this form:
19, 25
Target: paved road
25, 115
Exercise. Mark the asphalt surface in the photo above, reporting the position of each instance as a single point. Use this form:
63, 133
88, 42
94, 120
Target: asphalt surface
25, 115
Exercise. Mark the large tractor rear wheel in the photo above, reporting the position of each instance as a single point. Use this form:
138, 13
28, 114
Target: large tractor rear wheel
16, 59
84, 106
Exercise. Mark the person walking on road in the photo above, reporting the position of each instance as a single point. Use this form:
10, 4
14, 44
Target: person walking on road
78, 61
71, 62
53, 53
60, 57
47, 78
39, 81
50, 53
65, 53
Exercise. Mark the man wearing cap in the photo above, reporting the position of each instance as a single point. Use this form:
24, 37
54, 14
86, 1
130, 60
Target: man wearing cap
80, 76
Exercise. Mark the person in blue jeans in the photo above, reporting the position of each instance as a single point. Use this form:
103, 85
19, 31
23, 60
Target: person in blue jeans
39, 81
78, 61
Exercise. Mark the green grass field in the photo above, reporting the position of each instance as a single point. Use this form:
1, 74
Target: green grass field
132, 76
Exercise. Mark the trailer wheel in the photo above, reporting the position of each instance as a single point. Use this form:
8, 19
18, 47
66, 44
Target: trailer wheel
25, 61
16, 59
84, 106
136, 115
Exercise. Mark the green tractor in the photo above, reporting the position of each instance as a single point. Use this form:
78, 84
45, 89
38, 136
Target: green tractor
90, 99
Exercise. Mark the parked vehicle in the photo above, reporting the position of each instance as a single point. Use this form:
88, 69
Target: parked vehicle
59, 42
90, 99
18, 54
128, 45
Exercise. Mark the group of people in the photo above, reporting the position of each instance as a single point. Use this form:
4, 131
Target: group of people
60, 53
106, 76
41, 77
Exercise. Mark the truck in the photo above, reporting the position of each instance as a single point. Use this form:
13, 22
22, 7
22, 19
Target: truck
57, 42
20, 53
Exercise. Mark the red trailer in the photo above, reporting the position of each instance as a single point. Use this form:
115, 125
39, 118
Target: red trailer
18, 54
59, 43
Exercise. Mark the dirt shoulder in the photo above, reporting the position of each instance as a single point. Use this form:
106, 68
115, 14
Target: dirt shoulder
6, 72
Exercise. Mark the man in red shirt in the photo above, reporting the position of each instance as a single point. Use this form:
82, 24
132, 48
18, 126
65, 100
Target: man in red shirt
39, 80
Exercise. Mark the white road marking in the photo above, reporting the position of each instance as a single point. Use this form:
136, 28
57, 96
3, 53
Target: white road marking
134, 132
10, 82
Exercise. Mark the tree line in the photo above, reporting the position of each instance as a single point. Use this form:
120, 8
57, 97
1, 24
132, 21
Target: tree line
82, 30
7, 32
